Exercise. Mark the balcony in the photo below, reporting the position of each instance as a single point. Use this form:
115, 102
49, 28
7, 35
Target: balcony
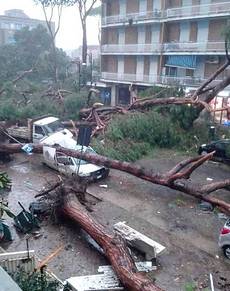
131, 48
194, 47
166, 48
140, 16
154, 79
214, 9
138, 78
186, 12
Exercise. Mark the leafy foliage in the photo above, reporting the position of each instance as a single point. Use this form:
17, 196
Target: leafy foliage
5, 209
35, 281
5, 181
124, 150
32, 48
150, 127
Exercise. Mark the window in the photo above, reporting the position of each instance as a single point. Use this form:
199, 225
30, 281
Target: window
5, 25
38, 130
64, 160
189, 73
171, 71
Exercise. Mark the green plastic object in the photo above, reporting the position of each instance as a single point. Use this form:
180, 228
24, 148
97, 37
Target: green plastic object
5, 234
25, 221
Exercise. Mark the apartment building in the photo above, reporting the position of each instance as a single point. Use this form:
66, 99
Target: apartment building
163, 42
13, 20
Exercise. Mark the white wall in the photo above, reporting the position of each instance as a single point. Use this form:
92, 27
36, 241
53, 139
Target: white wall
122, 7
121, 37
143, 6
141, 34
156, 32
140, 65
184, 31
120, 65
203, 28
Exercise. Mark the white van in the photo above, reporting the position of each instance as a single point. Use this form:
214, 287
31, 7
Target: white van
70, 166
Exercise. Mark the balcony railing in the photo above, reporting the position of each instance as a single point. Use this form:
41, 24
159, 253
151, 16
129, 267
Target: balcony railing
156, 14
166, 48
199, 10
129, 77
213, 9
154, 79
131, 48
193, 47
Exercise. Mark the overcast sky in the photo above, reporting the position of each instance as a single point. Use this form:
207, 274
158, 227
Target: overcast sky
69, 36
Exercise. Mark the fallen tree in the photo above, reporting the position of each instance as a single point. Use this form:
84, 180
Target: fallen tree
114, 246
177, 178
200, 99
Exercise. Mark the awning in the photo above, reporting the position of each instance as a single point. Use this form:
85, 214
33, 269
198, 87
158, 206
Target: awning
188, 62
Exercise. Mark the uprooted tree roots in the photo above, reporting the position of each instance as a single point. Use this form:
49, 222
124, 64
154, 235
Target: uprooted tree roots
69, 199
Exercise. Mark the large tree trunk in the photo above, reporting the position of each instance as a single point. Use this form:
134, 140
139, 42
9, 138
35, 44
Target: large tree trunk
114, 247
177, 178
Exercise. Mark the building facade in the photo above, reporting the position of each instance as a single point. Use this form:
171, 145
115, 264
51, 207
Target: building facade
13, 20
162, 42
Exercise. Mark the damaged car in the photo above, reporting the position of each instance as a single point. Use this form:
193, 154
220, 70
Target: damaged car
70, 166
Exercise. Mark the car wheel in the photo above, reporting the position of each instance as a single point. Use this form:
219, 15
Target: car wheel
226, 250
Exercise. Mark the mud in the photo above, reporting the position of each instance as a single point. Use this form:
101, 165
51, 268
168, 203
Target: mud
167, 216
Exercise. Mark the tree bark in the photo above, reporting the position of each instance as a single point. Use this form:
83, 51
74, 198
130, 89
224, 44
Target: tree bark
140, 105
114, 247
176, 178
17, 148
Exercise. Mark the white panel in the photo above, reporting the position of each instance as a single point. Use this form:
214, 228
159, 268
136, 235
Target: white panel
187, 3
140, 65
143, 6
120, 66
141, 34
121, 37
156, 5
156, 32
199, 72
203, 28
122, 7
113, 95
184, 31
153, 65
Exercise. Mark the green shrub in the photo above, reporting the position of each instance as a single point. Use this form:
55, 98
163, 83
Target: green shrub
124, 150
150, 127
35, 281
73, 103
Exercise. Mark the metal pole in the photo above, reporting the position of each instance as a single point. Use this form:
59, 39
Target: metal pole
79, 76
211, 281
27, 246
91, 68
82, 146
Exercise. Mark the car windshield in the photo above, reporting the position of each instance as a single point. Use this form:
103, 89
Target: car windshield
88, 150
53, 127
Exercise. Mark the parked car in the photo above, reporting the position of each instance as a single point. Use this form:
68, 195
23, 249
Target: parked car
224, 239
70, 166
221, 148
